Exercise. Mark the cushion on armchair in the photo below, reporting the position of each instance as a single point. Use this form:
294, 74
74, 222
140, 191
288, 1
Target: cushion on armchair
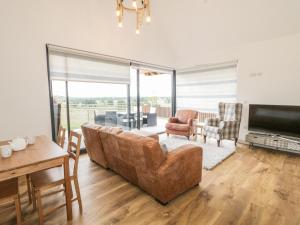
173, 120
229, 114
177, 126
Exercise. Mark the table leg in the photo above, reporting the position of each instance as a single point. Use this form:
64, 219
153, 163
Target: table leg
68, 188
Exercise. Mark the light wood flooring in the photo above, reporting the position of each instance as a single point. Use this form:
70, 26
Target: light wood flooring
251, 187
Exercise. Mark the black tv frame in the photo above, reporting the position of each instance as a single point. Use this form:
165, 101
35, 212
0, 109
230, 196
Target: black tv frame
268, 131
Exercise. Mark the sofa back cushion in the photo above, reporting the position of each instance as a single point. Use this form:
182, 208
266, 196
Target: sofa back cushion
142, 152
109, 143
93, 143
184, 115
128, 153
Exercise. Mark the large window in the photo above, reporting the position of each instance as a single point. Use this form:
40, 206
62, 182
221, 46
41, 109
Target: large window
59, 104
91, 102
203, 88
151, 97
156, 100
88, 87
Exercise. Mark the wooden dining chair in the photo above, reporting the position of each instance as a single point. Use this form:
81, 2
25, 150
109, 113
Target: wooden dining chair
50, 178
9, 192
61, 136
61, 142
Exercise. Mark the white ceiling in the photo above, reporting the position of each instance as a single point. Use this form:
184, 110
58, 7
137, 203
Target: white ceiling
193, 26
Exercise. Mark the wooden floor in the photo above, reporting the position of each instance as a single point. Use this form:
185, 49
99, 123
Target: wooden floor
251, 187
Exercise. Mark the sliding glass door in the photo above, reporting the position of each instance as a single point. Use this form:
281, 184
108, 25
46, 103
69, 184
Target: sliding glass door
90, 88
100, 103
59, 114
155, 99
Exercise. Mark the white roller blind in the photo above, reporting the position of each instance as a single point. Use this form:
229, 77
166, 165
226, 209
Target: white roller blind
203, 89
81, 66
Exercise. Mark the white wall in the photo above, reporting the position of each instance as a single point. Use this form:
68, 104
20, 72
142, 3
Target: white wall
25, 28
268, 71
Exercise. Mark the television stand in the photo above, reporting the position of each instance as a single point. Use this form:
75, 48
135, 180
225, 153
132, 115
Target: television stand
272, 141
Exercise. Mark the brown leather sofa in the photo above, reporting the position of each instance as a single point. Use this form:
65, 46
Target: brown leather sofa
141, 161
182, 123
92, 141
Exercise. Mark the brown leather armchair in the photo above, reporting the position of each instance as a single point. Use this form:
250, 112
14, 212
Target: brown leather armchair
182, 123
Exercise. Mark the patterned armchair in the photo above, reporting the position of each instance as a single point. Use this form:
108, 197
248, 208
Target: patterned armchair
227, 125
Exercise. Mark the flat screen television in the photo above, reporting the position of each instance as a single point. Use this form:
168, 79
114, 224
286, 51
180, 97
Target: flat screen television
275, 119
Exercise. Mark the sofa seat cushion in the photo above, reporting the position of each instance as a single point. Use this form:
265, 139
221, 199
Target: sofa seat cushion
177, 126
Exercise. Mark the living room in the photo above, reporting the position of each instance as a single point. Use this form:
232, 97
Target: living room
135, 72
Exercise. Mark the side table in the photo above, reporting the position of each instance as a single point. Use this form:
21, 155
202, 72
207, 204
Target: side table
200, 126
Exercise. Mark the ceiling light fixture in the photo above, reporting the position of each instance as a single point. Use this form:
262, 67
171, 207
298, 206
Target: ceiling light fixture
140, 7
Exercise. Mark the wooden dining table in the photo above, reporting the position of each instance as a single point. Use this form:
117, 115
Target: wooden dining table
41, 155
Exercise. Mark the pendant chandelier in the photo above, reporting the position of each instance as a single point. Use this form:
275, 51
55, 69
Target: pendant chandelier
140, 7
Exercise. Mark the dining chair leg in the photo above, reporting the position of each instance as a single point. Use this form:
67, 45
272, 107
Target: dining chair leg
76, 184
33, 198
71, 191
18, 210
29, 188
40, 207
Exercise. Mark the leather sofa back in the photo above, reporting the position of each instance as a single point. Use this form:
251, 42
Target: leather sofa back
143, 152
91, 133
128, 153
140, 160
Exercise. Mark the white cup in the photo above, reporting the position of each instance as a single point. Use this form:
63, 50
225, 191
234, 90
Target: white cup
6, 151
31, 140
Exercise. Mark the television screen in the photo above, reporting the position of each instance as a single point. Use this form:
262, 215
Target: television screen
275, 119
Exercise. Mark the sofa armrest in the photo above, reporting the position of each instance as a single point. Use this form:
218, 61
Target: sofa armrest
190, 122
173, 120
182, 169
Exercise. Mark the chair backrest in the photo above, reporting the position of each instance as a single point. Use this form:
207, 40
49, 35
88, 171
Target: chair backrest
230, 111
111, 114
152, 110
61, 137
146, 108
185, 114
74, 146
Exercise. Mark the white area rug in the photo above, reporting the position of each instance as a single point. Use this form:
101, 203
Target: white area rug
212, 154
